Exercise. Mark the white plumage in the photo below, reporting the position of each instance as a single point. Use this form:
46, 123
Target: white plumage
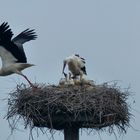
76, 66
11, 51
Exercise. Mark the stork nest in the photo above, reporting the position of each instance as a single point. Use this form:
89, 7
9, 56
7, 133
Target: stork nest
81, 106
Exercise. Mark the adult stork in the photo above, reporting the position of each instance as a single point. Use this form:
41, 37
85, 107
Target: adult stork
76, 66
11, 51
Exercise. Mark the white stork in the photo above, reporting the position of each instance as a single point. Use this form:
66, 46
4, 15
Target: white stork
76, 66
11, 51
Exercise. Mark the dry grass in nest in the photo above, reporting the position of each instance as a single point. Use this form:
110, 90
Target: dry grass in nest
57, 107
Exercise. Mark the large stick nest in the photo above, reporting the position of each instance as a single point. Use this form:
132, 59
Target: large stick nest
58, 107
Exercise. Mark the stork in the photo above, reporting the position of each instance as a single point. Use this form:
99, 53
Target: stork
11, 51
76, 66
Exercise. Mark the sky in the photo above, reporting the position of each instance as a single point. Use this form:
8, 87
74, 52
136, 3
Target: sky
105, 32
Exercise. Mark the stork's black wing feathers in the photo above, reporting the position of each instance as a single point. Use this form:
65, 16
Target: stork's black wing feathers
84, 70
5, 41
5, 33
25, 36
82, 59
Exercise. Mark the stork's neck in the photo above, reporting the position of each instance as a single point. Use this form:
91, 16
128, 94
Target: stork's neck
1, 72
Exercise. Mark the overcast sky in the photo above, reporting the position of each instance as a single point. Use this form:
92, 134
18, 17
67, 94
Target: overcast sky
105, 32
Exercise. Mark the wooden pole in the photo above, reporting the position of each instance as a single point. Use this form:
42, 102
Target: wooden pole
71, 133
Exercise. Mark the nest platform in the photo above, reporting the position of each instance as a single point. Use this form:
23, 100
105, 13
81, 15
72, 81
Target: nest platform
59, 107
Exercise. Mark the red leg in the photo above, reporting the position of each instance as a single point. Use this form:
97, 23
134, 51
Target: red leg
27, 80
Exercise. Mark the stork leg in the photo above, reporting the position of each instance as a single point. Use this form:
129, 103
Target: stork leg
30, 83
81, 77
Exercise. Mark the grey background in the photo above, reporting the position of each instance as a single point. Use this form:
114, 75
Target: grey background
105, 32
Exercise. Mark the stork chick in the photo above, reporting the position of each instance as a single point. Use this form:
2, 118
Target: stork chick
67, 80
